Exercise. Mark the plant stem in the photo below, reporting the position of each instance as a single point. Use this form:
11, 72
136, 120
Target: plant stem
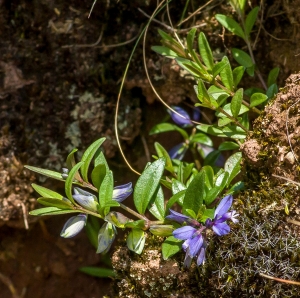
134, 213
156, 222
219, 109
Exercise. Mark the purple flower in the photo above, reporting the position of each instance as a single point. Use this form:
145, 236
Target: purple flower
181, 121
178, 151
121, 192
194, 233
85, 199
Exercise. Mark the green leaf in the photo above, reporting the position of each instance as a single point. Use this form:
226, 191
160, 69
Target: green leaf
177, 186
227, 108
48, 173
272, 91
70, 180
194, 194
257, 98
136, 240
194, 69
98, 175
223, 121
250, 20
170, 247
221, 180
233, 166
147, 184
52, 211
209, 176
238, 73
234, 132
164, 127
204, 97
228, 146
272, 77
162, 152
236, 187
176, 198
165, 35
157, 205
100, 160
88, 156
92, 228
211, 129
71, 159
218, 67
98, 271
45, 192
190, 39
253, 90
226, 75
236, 102
218, 94
251, 70
231, 25
52, 202
211, 158
242, 58
205, 51
212, 194
164, 51
106, 191
208, 213
202, 138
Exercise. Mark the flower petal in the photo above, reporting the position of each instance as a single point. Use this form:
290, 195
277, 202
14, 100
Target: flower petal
187, 260
73, 226
121, 192
87, 202
184, 233
186, 121
195, 245
180, 218
201, 256
223, 206
221, 229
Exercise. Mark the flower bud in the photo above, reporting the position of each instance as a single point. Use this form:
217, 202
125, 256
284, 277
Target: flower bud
117, 219
161, 230
85, 199
106, 237
121, 192
73, 226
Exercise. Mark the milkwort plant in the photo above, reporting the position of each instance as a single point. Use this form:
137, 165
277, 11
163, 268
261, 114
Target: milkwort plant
202, 193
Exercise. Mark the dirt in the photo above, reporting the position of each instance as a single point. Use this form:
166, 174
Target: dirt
58, 88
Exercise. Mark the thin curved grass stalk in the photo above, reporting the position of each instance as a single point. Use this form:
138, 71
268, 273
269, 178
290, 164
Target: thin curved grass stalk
149, 79
157, 10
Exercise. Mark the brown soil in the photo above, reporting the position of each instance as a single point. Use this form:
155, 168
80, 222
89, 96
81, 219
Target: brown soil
56, 93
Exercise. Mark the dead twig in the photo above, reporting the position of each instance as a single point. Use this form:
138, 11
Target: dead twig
291, 282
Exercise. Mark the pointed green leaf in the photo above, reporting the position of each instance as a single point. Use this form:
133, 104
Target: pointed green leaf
226, 75
88, 156
257, 98
106, 191
238, 73
250, 20
223, 121
272, 77
138, 224
242, 58
227, 109
45, 192
231, 25
211, 158
136, 240
164, 127
233, 166
228, 146
205, 51
165, 35
98, 175
51, 202
221, 181
48, 173
209, 176
236, 102
92, 228
194, 69
272, 91
70, 180
51, 211
98, 271
211, 129
195, 193
71, 159
164, 51
234, 132
202, 138
190, 39
170, 247
157, 205
162, 152
218, 67
176, 198
212, 195
147, 184
218, 94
